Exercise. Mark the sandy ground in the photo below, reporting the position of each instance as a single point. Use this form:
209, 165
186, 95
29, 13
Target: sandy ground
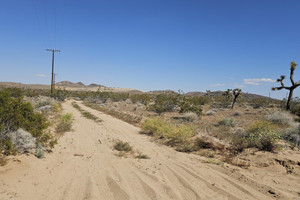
101, 174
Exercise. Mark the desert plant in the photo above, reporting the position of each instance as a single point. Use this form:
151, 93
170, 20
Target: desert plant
142, 156
122, 146
227, 122
291, 134
171, 134
189, 106
64, 124
190, 116
291, 89
280, 117
164, 103
15, 114
259, 135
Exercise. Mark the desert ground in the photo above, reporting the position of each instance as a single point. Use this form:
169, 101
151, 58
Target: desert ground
84, 166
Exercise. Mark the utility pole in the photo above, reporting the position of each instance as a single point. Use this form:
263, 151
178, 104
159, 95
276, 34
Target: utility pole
52, 77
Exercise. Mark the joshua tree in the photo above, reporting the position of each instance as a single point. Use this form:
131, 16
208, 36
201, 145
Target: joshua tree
227, 93
208, 92
291, 88
236, 92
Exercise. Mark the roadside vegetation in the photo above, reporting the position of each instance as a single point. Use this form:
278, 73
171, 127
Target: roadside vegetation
219, 125
86, 114
23, 128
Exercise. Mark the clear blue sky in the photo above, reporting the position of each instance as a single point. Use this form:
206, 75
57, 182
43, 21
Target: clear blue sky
193, 45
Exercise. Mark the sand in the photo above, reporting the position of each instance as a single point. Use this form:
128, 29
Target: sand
84, 166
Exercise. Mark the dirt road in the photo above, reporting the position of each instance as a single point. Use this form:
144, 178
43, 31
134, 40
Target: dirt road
98, 173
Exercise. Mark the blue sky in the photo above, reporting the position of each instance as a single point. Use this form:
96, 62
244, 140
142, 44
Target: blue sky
193, 45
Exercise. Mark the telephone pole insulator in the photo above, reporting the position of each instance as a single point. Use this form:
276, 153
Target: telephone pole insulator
52, 77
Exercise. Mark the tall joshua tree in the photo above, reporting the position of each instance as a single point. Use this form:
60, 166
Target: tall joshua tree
236, 92
291, 88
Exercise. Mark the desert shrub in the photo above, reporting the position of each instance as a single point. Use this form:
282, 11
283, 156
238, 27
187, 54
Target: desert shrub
122, 146
15, 114
262, 102
170, 133
7, 147
64, 124
186, 147
211, 112
227, 122
142, 156
61, 95
43, 103
190, 116
140, 98
189, 106
237, 113
164, 103
118, 96
291, 134
280, 117
221, 102
22, 141
259, 135
39, 152
204, 143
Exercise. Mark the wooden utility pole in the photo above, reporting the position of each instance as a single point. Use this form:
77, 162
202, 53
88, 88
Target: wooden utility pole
52, 77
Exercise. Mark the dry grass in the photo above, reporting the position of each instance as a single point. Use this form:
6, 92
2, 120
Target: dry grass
132, 119
86, 114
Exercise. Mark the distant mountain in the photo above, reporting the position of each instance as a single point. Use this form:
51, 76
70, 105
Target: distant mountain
220, 93
162, 92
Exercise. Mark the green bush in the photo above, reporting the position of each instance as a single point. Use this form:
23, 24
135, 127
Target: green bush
188, 105
164, 103
15, 114
259, 135
140, 98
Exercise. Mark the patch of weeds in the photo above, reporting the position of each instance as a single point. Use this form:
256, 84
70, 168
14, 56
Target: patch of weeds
142, 156
189, 147
170, 134
86, 114
227, 122
64, 124
122, 146
117, 114
206, 153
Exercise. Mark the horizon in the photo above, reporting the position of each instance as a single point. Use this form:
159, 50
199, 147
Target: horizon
153, 45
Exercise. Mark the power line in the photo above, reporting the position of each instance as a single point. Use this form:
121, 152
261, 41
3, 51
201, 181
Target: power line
52, 75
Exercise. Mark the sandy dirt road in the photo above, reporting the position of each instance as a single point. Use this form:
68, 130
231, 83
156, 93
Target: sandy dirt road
100, 174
